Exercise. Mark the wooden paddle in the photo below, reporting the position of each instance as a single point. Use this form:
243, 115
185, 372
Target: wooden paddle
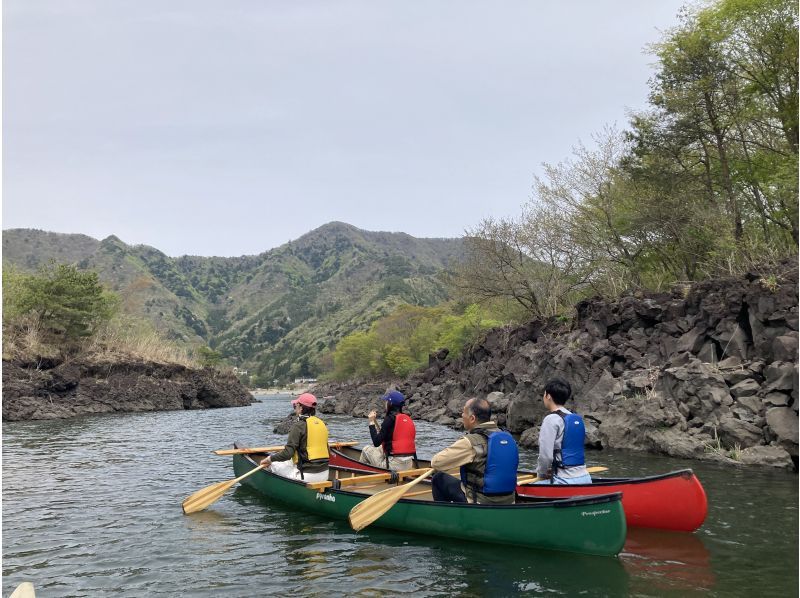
376, 505
24, 590
531, 479
361, 479
202, 498
270, 449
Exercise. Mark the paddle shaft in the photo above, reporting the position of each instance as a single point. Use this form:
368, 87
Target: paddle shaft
375, 477
532, 479
270, 449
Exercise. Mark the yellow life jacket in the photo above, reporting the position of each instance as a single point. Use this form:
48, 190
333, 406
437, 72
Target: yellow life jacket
316, 440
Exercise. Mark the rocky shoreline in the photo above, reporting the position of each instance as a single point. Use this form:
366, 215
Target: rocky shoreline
708, 371
85, 385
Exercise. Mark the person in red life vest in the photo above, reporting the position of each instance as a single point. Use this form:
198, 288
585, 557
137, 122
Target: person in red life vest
488, 457
305, 455
561, 439
393, 446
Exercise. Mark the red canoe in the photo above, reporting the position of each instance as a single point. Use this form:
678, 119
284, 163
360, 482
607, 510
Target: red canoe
674, 501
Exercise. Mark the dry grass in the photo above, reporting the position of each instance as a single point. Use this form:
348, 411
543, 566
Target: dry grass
25, 339
716, 447
125, 338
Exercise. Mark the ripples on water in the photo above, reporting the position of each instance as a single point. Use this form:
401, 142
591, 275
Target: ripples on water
91, 507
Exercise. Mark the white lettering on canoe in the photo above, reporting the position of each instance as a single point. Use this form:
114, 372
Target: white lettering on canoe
595, 513
328, 497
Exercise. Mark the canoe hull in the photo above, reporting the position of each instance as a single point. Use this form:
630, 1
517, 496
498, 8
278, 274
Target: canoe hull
592, 525
674, 501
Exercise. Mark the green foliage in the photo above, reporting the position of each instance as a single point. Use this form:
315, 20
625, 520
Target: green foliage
207, 357
401, 342
69, 304
704, 183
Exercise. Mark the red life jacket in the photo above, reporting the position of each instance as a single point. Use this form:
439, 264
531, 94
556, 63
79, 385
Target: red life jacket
403, 435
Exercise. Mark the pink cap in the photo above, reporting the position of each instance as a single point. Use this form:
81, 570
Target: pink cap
306, 399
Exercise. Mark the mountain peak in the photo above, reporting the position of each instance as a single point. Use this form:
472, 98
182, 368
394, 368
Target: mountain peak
112, 240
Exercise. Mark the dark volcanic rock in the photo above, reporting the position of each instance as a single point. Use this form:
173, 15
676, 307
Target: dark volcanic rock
708, 372
83, 385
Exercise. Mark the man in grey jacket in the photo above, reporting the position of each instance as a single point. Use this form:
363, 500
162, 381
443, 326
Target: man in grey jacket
561, 439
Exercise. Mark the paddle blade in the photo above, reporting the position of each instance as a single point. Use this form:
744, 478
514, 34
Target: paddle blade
24, 590
376, 505
202, 498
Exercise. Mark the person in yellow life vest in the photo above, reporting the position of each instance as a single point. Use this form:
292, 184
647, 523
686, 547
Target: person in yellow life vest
305, 455
394, 445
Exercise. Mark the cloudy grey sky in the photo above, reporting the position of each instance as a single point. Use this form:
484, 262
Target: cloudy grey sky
228, 128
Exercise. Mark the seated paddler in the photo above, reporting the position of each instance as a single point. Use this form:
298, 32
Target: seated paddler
305, 454
561, 439
487, 456
393, 446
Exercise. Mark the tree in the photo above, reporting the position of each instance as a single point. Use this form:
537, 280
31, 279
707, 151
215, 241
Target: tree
69, 303
207, 357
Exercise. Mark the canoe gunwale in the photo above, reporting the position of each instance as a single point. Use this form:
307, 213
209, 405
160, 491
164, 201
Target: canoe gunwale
687, 472
573, 501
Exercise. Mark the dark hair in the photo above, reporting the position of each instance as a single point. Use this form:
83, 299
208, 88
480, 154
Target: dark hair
393, 408
305, 410
480, 408
559, 390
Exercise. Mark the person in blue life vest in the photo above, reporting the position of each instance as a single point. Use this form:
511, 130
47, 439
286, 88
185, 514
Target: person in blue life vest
561, 439
393, 446
488, 458
305, 454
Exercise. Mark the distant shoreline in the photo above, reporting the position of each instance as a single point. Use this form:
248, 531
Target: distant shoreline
279, 391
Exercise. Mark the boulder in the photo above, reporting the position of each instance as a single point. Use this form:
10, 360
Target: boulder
780, 376
782, 421
530, 438
745, 388
784, 347
692, 341
736, 432
751, 403
498, 402
777, 399
771, 456
523, 413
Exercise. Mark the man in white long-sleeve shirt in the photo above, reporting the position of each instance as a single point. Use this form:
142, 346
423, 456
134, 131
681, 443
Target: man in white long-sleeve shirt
561, 439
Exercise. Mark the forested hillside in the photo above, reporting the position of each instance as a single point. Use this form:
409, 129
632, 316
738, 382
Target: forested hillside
274, 314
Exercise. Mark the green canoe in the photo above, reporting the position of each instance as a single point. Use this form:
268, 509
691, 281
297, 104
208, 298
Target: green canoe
591, 525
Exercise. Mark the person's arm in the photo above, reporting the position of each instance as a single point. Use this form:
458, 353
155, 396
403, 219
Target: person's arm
547, 442
457, 454
292, 443
386, 431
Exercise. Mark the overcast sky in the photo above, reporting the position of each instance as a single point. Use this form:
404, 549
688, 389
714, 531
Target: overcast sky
230, 127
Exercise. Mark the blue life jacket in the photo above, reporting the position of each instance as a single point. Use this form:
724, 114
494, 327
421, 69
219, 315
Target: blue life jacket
500, 472
573, 441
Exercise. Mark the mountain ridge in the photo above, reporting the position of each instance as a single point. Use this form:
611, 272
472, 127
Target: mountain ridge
276, 313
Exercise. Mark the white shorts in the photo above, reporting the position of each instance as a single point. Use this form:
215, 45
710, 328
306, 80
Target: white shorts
287, 469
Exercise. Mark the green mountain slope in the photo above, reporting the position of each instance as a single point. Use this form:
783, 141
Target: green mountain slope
276, 314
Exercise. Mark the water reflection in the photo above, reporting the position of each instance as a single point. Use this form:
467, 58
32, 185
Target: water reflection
663, 560
317, 549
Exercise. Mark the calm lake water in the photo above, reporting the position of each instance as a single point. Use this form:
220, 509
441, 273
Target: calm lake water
91, 507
